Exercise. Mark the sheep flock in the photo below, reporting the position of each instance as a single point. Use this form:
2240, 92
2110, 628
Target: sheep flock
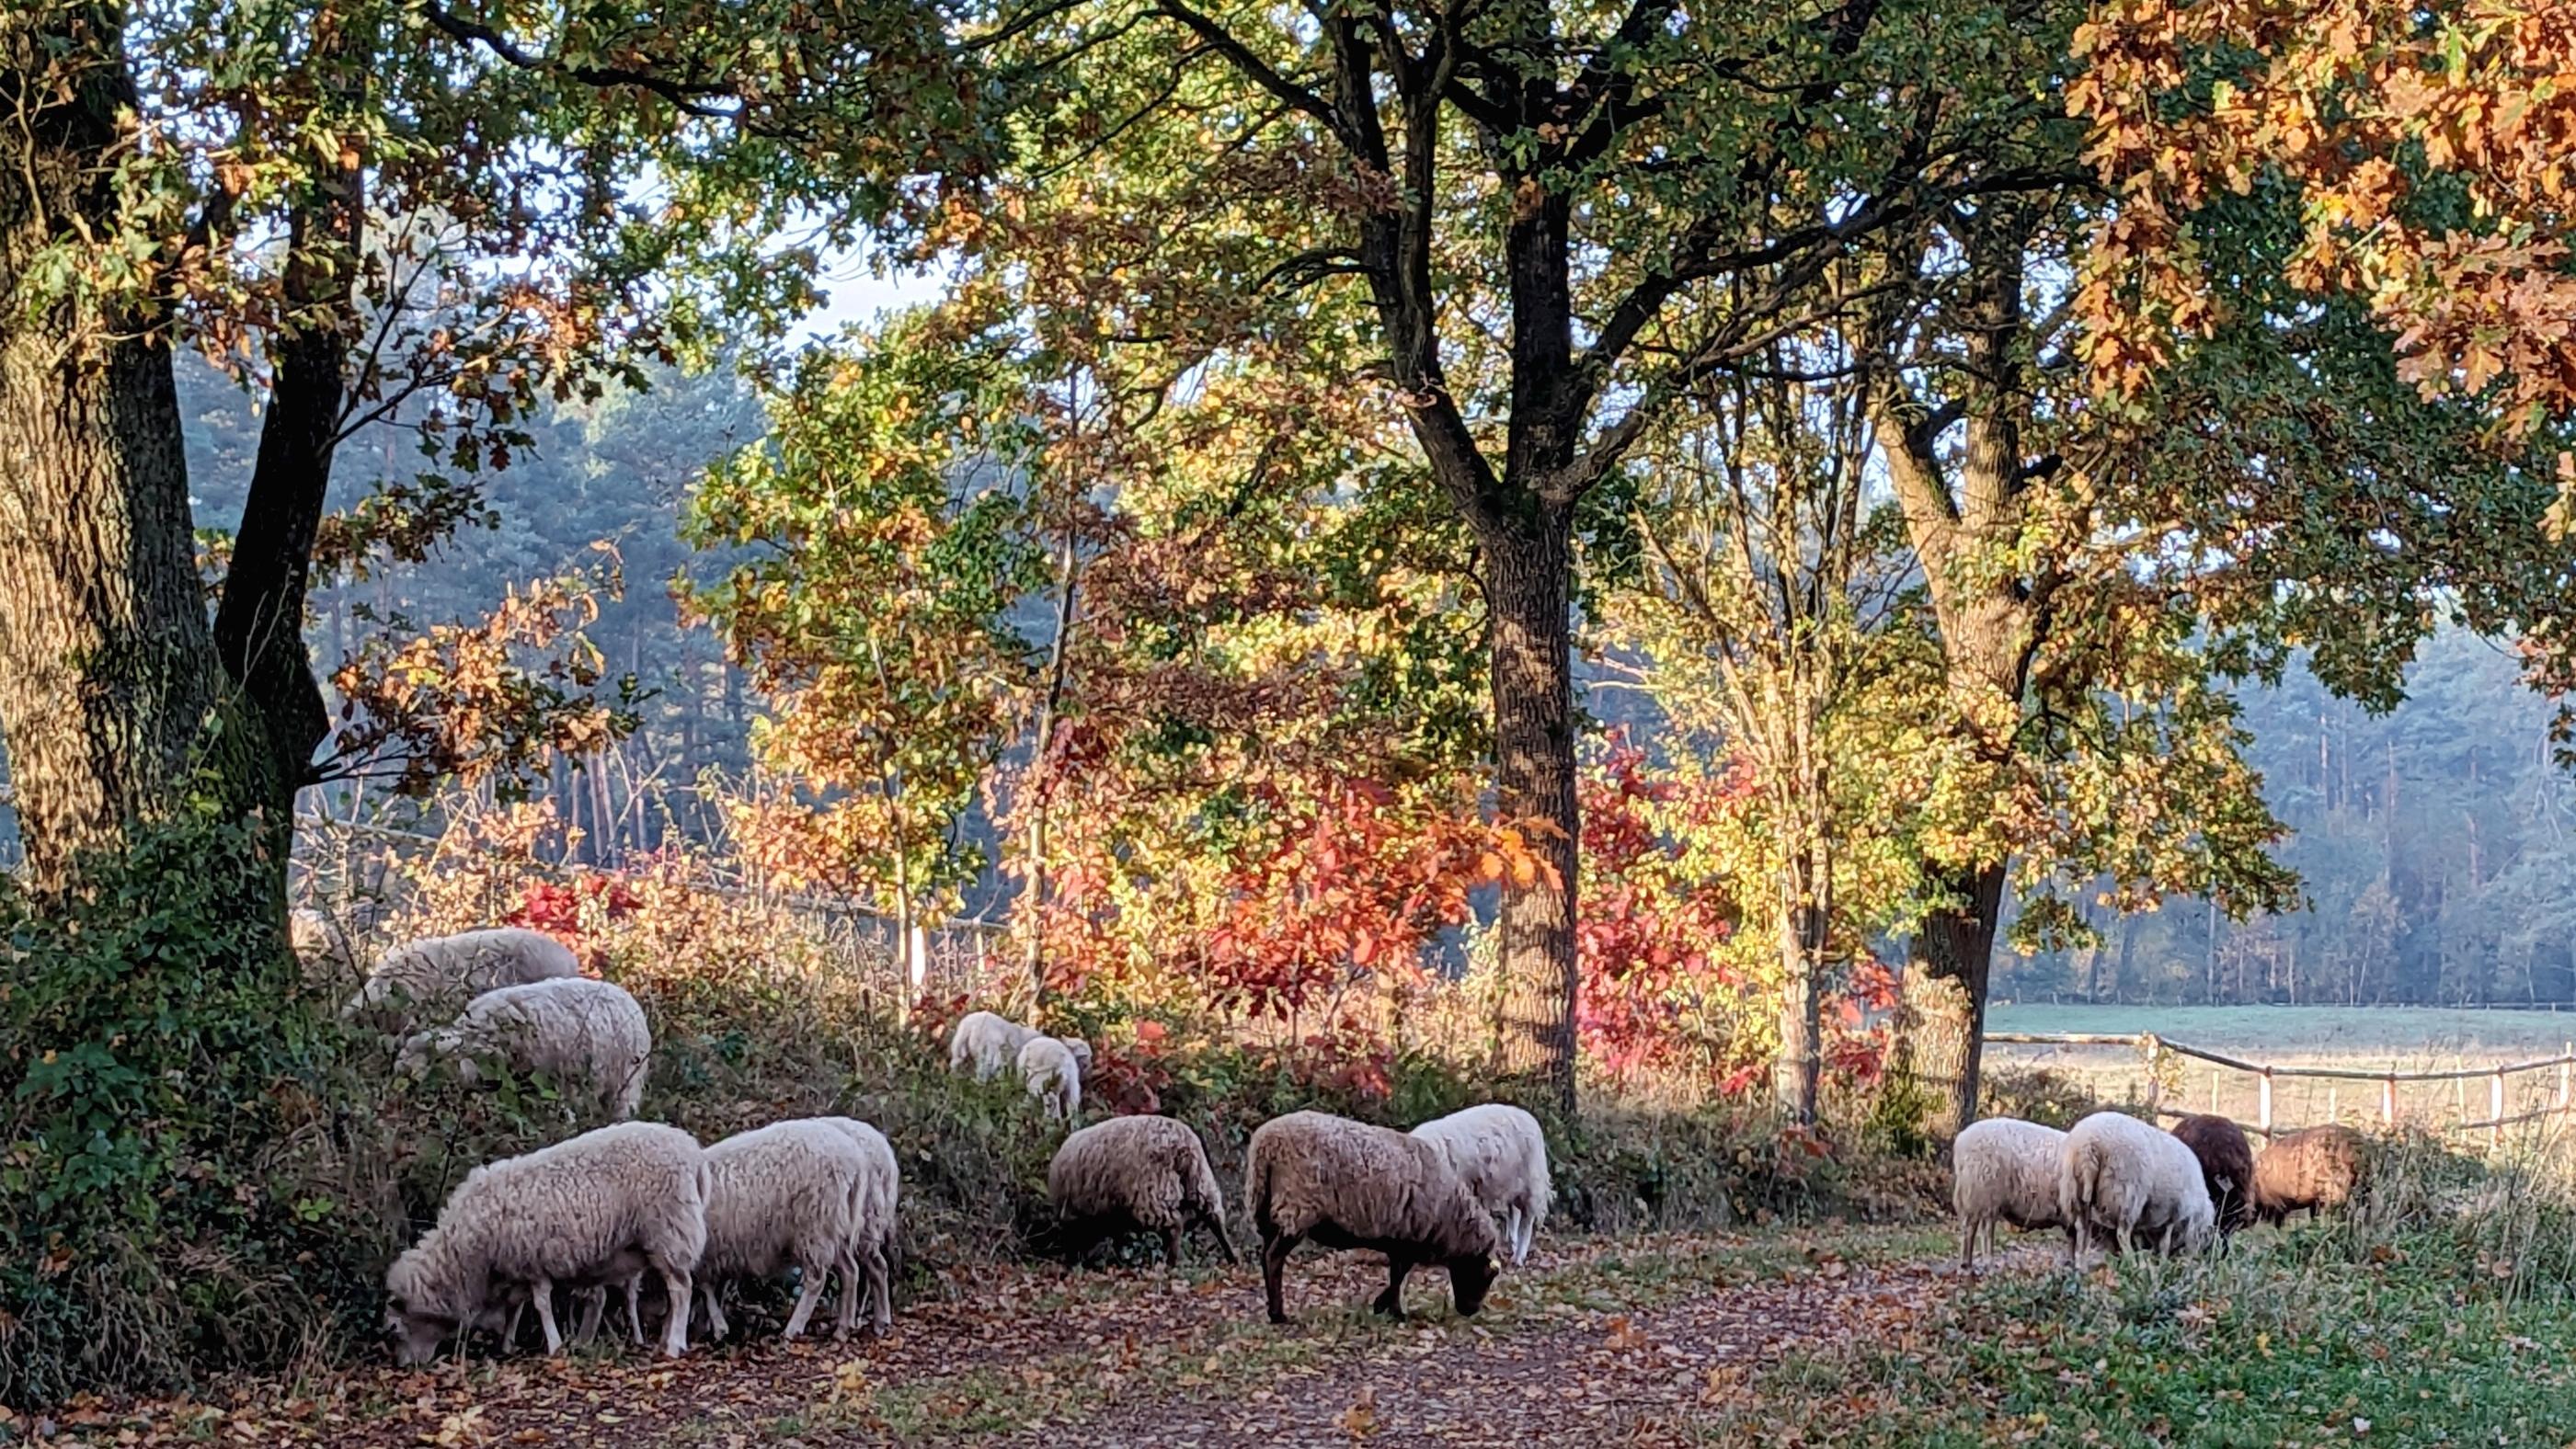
639, 1202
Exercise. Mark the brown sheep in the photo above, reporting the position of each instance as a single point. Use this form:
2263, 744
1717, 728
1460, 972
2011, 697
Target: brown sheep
2226, 1165
2315, 1168
1147, 1173
1347, 1184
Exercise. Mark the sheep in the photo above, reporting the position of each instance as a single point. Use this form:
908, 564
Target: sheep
430, 977
1081, 1052
1136, 1172
602, 1206
2004, 1169
1501, 1154
320, 946
987, 1041
583, 1031
794, 1192
2124, 1176
1052, 1074
2226, 1168
872, 1245
2315, 1168
1347, 1184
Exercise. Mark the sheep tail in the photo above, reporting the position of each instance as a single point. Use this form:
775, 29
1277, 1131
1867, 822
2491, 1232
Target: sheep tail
1256, 1191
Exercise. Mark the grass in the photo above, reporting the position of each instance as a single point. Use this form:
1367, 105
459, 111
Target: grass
2444, 1311
2362, 1039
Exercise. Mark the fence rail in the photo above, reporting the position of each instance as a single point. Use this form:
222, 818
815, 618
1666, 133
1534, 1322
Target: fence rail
2155, 1050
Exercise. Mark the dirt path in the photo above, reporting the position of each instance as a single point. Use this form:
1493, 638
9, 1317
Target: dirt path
1600, 1343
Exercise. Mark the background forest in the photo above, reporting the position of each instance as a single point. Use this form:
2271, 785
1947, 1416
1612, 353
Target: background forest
2429, 839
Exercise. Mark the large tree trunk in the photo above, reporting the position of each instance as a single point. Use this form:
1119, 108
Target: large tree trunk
1942, 1006
1525, 594
107, 671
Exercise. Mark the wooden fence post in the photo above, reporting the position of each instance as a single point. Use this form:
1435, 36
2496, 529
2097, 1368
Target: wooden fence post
2263, 1110
2566, 1057
2388, 1102
2155, 1078
2495, 1112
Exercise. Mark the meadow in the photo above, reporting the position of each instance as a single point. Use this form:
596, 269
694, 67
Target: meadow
2362, 1039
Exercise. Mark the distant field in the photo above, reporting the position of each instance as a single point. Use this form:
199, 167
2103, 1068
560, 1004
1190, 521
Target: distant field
2367, 1039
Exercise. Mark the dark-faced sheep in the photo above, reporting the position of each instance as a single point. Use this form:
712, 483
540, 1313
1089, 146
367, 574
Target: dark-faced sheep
2226, 1167
2315, 1168
1347, 1184
1136, 1173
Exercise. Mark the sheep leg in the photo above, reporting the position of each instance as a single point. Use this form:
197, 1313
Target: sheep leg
1391, 1302
716, 1326
1172, 1247
635, 1308
675, 1334
880, 1286
1274, 1260
542, 1293
1968, 1244
845, 1312
1224, 1239
510, 1330
809, 1293
594, 1307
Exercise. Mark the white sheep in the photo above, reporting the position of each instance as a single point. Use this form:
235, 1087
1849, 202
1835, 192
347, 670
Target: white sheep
1052, 1074
791, 1193
2005, 1169
872, 1244
430, 978
600, 1207
987, 1042
584, 1032
1347, 1184
1500, 1153
2124, 1177
1136, 1172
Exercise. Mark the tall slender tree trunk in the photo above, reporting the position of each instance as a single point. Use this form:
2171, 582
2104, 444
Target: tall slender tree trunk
1803, 923
108, 675
1041, 780
1525, 594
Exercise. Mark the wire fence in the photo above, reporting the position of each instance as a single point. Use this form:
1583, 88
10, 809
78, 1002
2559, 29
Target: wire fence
2285, 1097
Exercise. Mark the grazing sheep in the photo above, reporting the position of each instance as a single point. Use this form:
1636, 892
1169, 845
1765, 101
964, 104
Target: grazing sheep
1081, 1052
872, 1246
989, 1042
2314, 1168
576, 1029
430, 978
2005, 1170
2226, 1168
320, 946
1501, 1154
1146, 1173
600, 1207
2124, 1177
1346, 1184
1053, 1075
794, 1192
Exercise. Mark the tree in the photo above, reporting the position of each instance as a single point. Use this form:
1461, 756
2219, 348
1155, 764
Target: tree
462, 221
1762, 599
1540, 212
2428, 146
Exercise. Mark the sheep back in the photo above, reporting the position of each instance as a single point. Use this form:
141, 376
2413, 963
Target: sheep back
438, 973
1150, 1169
1348, 1184
572, 1028
986, 1042
2315, 1168
592, 1208
1053, 1075
791, 1192
2125, 1177
2226, 1166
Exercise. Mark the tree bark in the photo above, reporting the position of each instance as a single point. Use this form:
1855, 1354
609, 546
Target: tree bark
1802, 927
1941, 1008
1533, 689
108, 676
